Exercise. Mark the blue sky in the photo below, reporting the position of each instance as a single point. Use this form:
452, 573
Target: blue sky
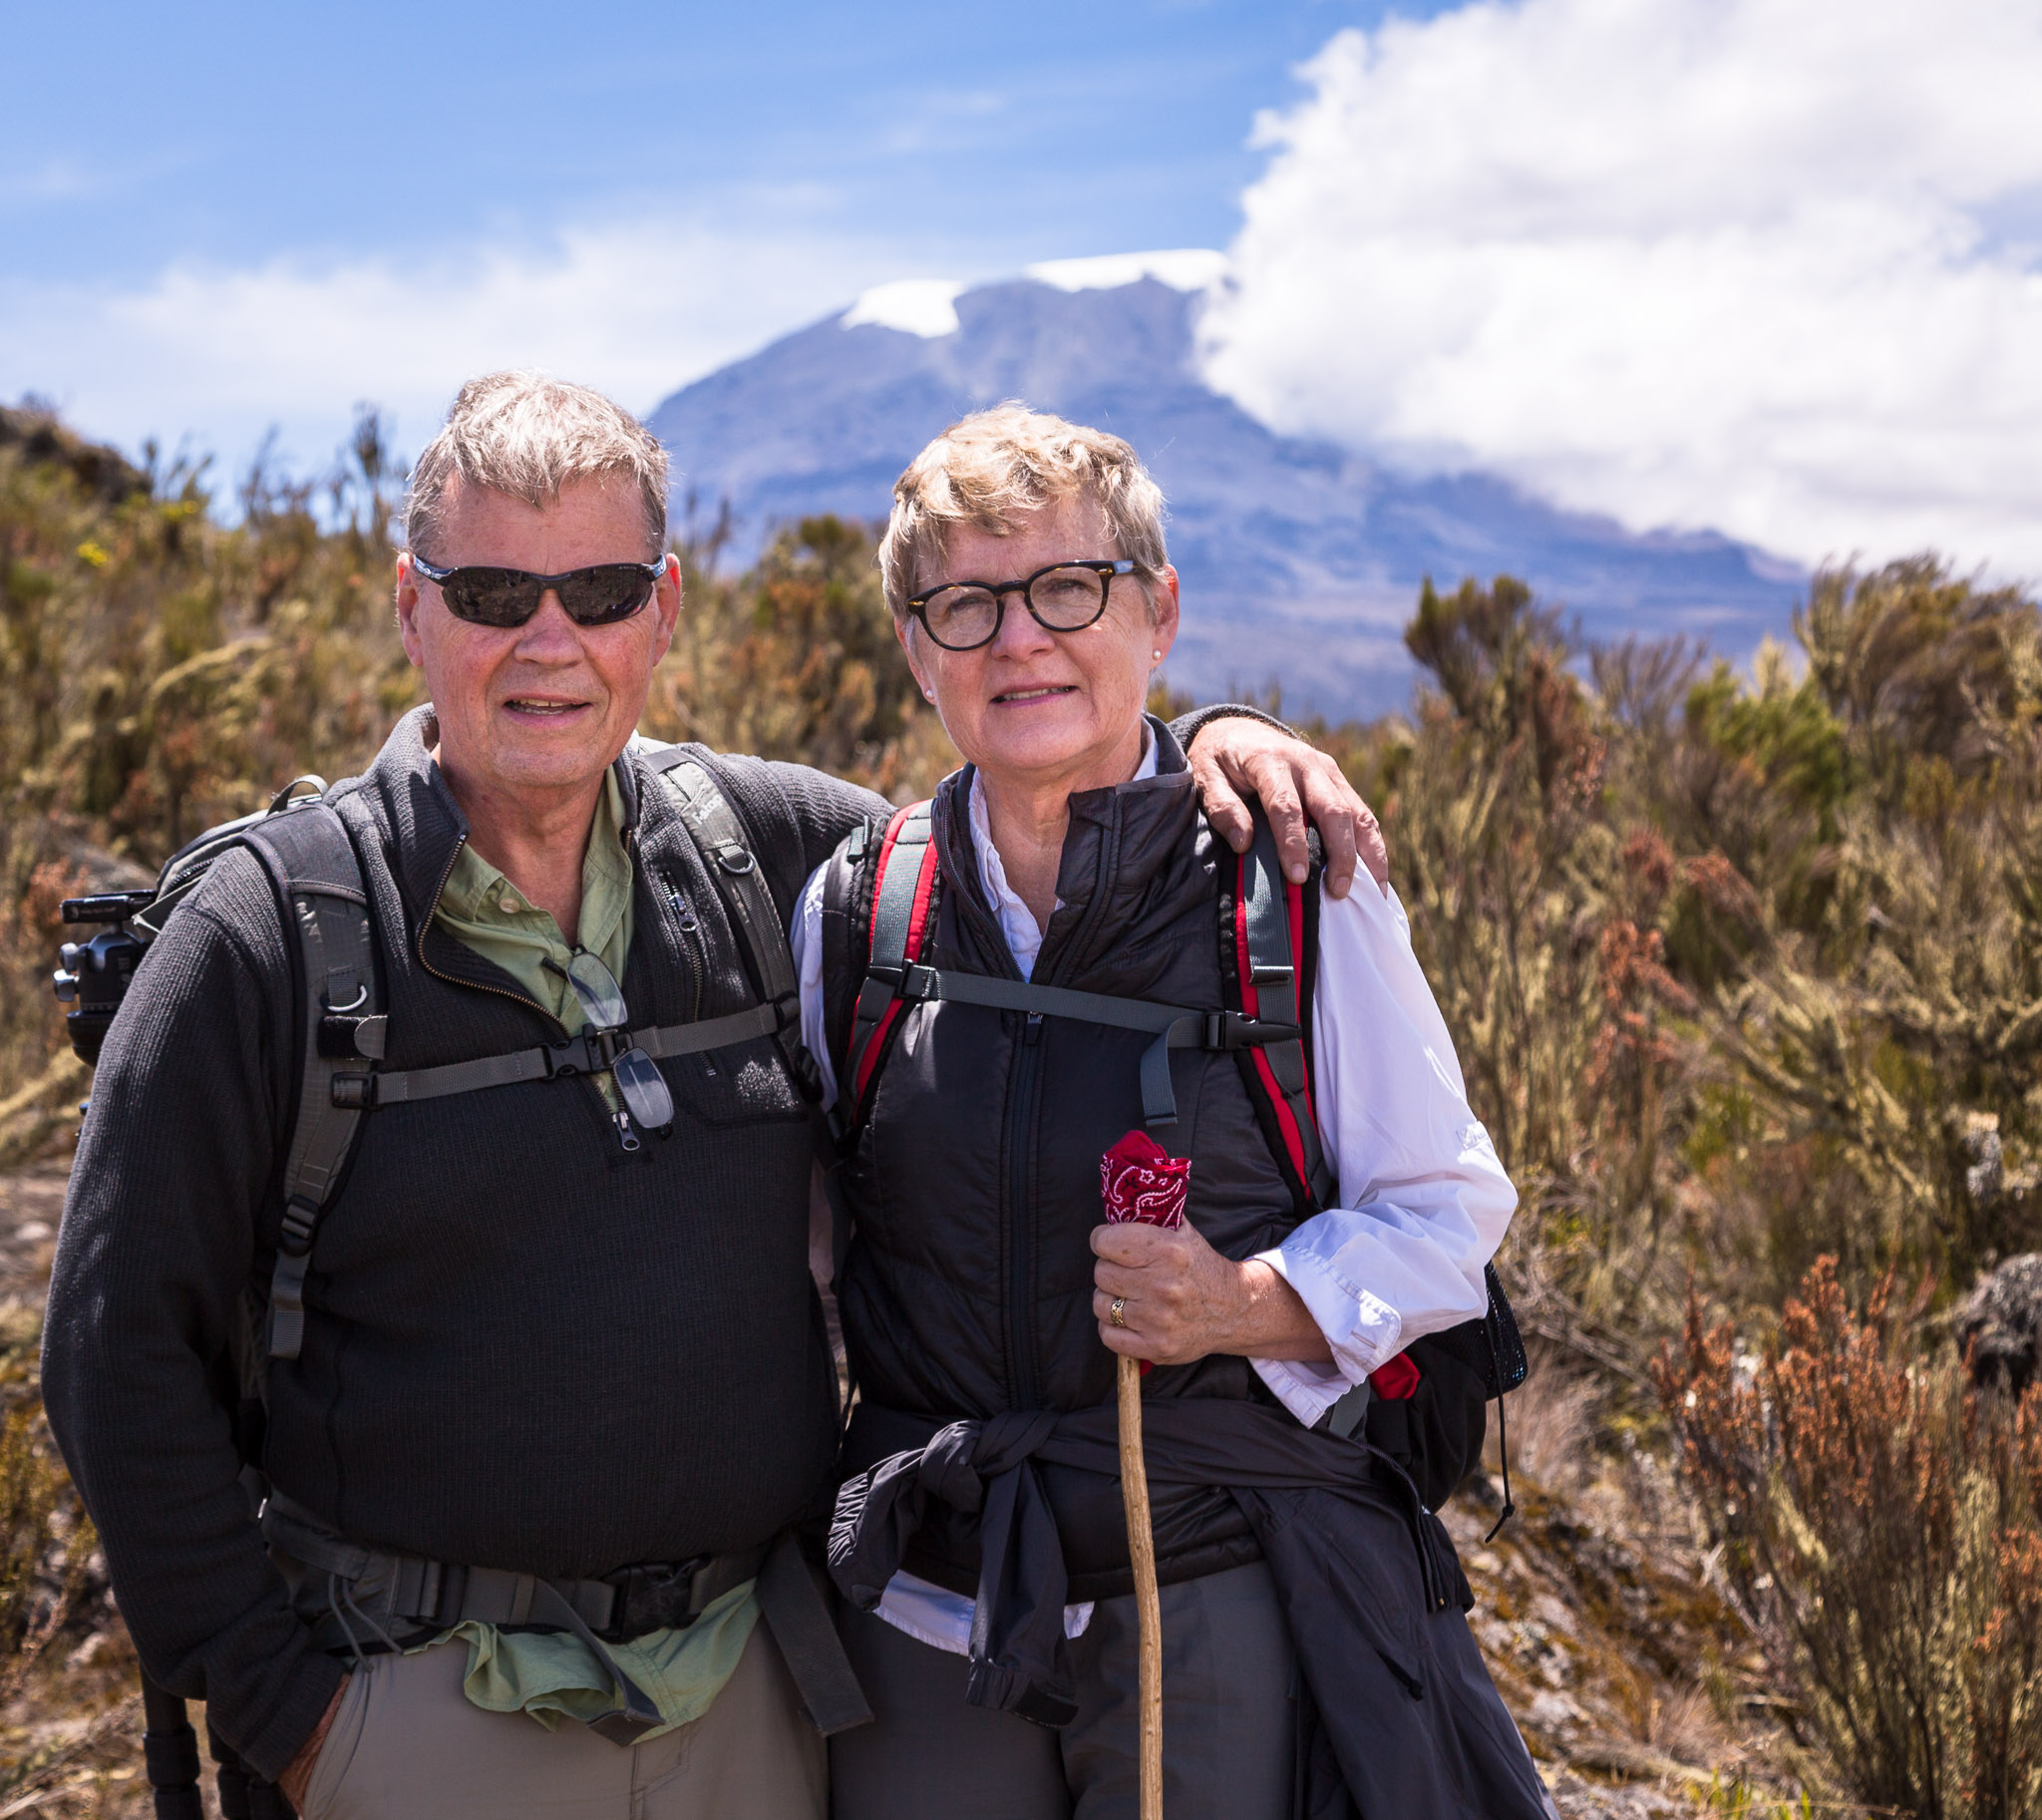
149, 156
138, 135
1768, 267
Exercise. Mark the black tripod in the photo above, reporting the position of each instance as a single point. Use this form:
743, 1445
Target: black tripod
169, 1750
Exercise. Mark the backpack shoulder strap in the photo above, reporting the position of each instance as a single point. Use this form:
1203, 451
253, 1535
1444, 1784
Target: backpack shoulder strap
727, 851
726, 846
312, 863
904, 893
1271, 948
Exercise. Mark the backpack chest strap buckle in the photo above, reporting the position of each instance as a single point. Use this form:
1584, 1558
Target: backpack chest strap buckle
1228, 1031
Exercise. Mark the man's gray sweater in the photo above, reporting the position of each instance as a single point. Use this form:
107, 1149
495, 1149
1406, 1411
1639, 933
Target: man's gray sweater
525, 1346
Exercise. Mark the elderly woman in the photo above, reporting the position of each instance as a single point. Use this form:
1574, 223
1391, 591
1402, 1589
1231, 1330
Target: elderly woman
1313, 1621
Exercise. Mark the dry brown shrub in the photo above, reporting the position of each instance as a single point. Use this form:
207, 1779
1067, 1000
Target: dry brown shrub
1877, 1523
1738, 967
46, 1544
1553, 1423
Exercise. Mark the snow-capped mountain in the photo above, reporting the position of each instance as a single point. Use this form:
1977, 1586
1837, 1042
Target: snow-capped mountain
1300, 561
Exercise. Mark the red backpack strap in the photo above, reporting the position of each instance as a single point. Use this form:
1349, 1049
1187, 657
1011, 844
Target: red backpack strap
1268, 948
903, 889
1268, 943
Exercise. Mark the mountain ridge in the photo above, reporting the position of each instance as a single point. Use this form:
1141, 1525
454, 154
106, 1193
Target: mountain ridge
1300, 561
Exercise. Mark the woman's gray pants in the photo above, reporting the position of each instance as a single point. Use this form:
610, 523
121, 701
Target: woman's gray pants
1228, 1720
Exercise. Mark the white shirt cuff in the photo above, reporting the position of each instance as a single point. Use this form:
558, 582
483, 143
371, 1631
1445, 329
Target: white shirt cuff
1362, 1330
1305, 1388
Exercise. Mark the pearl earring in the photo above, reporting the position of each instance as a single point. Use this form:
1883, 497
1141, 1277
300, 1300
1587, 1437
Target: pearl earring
1158, 655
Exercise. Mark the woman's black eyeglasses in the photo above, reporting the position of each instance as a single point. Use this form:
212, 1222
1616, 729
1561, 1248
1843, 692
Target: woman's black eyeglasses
1064, 597
599, 595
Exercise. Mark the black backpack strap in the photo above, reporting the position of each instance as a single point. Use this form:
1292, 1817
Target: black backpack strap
312, 862
903, 897
727, 851
1172, 1026
846, 930
583, 1054
1268, 943
726, 847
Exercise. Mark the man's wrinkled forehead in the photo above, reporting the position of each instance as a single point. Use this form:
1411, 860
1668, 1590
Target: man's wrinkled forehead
474, 522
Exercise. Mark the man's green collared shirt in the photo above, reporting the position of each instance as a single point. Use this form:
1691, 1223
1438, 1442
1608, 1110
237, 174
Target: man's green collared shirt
553, 1676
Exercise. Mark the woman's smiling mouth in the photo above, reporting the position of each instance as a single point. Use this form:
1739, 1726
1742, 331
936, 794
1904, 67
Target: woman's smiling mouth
1022, 697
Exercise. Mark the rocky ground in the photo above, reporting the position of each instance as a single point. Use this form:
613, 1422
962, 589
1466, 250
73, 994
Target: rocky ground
69, 1730
1634, 1685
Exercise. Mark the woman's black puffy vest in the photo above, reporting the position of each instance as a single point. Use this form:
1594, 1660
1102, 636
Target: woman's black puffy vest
974, 1177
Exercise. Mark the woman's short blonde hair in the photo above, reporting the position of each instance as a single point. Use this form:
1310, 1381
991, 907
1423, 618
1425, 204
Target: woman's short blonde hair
992, 467
529, 436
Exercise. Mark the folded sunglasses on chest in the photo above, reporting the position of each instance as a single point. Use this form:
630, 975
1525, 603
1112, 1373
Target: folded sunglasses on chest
597, 596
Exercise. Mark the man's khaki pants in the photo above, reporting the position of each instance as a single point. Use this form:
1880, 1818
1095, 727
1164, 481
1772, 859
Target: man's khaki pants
406, 1745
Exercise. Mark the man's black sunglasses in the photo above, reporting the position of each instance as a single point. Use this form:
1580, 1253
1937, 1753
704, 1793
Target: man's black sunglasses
599, 595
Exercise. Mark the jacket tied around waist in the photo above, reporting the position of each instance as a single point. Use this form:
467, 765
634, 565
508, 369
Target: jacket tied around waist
1405, 1715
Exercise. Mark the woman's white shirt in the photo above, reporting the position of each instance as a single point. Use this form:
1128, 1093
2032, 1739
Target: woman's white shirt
1423, 1200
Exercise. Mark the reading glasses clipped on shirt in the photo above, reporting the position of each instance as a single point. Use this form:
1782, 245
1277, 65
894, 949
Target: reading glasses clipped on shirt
1064, 597
638, 1078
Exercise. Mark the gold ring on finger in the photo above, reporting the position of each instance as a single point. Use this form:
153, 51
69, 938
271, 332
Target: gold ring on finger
1119, 1310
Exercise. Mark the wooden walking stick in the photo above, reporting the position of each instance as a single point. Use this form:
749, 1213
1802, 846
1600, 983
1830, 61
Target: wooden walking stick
1147, 1605
1141, 1181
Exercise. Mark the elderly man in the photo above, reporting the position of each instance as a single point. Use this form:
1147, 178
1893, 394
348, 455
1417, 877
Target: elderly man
559, 1381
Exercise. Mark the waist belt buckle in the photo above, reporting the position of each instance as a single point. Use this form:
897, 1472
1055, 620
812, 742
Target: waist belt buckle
656, 1595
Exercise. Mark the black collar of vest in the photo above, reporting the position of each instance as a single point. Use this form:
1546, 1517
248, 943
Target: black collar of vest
1118, 836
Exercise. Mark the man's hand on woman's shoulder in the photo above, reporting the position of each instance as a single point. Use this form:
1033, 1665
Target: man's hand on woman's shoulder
1298, 787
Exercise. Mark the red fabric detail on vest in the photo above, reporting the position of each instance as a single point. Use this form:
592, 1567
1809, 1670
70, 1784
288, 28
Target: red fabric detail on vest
1397, 1380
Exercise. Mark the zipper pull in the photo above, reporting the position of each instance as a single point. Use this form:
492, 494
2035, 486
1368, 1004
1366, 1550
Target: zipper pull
1031, 1032
627, 1133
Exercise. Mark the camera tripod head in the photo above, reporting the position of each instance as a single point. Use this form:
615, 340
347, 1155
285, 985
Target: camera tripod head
92, 976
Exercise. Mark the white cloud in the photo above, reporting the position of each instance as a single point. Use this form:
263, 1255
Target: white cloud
223, 354
1751, 263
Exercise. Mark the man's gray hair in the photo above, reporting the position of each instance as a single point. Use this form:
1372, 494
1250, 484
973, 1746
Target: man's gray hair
529, 436
995, 467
